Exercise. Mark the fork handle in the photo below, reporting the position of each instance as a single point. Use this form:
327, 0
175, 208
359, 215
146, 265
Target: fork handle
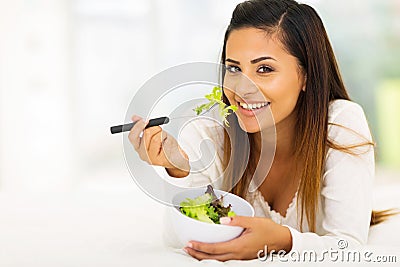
128, 126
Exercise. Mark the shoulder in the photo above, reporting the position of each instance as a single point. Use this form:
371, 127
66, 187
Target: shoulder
203, 127
340, 109
348, 127
193, 133
347, 122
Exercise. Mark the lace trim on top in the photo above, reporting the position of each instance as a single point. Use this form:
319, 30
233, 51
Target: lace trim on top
258, 201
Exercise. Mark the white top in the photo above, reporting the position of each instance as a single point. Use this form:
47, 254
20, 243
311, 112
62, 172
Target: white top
345, 204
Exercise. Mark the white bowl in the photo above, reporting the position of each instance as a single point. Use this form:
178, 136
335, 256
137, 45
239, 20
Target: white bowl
187, 228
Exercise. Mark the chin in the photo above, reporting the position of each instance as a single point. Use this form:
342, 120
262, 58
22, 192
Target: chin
249, 128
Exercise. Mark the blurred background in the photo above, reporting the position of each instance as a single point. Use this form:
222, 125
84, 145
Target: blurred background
69, 69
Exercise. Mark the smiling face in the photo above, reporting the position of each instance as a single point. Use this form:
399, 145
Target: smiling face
261, 78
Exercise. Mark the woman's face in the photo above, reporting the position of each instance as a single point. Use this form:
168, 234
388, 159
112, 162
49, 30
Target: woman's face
271, 82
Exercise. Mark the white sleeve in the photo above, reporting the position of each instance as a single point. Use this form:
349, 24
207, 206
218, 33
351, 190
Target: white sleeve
202, 141
346, 192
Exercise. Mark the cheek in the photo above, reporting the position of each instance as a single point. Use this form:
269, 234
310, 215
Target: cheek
283, 95
230, 95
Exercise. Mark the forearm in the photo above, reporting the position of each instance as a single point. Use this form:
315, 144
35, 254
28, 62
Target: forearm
286, 244
281, 239
180, 171
177, 173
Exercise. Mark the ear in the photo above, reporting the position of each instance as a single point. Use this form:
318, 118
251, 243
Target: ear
304, 83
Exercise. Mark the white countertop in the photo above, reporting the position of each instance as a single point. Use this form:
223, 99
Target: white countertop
106, 225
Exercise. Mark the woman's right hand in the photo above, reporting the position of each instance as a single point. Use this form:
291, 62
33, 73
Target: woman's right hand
157, 147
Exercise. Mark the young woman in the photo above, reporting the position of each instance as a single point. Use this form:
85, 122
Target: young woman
318, 189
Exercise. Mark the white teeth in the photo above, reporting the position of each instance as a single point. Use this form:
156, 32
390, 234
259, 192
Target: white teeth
253, 106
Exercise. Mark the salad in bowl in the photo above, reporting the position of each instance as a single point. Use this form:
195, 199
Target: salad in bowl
197, 211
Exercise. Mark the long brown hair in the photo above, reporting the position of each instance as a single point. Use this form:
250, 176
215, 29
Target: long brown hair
301, 31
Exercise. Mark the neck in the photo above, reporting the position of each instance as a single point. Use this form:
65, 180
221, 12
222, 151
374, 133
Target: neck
285, 133
284, 141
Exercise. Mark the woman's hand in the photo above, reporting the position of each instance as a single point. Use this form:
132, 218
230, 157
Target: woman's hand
259, 232
157, 147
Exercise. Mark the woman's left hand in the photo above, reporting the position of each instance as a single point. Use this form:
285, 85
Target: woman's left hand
259, 233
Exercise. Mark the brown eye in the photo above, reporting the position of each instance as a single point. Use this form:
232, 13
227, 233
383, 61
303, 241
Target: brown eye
265, 69
232, 69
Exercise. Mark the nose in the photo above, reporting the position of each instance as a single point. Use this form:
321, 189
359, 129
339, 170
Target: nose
244, 87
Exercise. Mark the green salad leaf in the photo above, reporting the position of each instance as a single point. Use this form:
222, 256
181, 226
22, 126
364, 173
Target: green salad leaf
216, 98
198, 208
206, 208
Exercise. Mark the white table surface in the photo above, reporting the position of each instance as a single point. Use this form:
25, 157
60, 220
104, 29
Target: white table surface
106, 225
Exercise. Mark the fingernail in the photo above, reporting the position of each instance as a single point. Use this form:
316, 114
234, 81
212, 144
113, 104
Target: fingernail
225, 220
189, 245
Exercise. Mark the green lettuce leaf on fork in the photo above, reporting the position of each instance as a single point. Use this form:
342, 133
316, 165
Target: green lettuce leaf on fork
216, 98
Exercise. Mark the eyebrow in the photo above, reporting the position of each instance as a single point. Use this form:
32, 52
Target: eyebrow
254, 61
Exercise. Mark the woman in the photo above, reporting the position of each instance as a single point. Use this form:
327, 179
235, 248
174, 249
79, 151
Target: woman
318, 189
